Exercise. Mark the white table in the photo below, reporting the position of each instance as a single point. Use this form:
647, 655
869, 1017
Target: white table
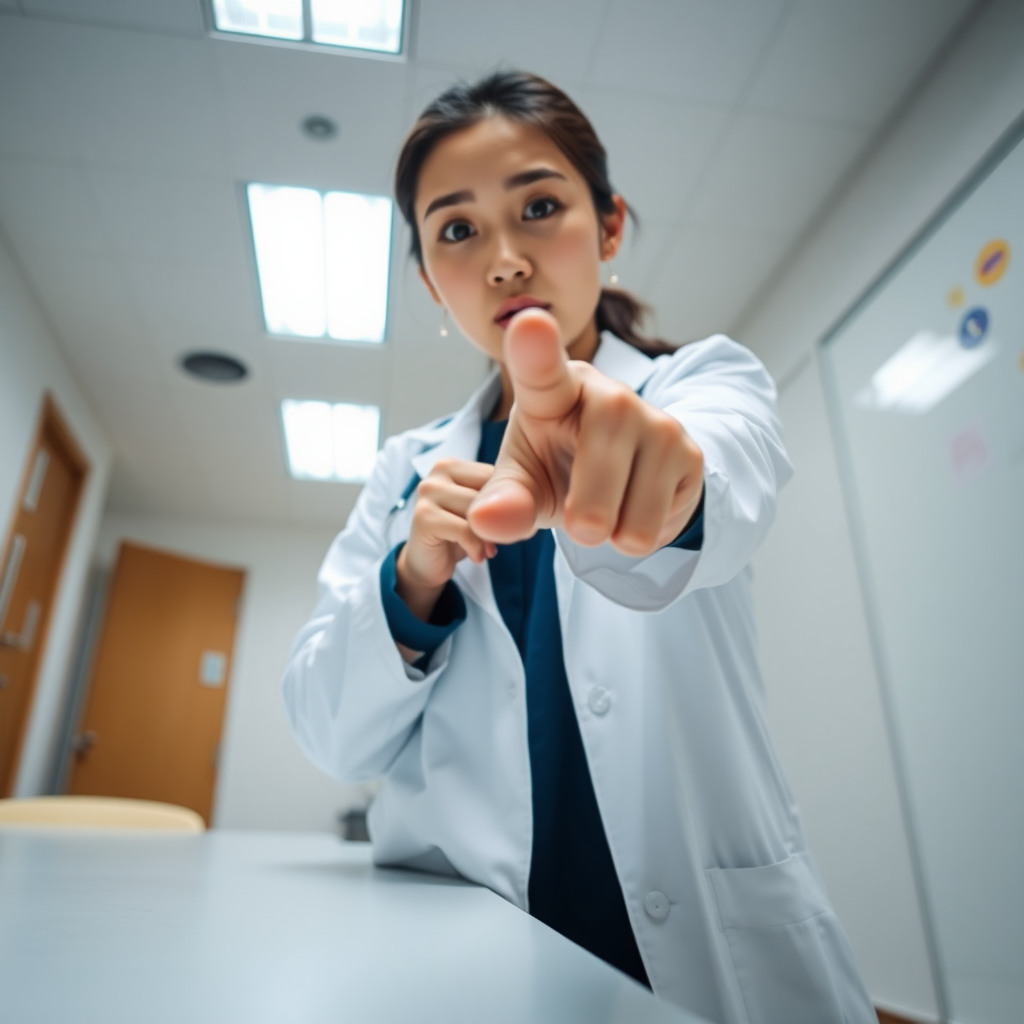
145, 928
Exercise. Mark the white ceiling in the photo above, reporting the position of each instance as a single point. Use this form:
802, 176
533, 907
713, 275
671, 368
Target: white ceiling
126, 134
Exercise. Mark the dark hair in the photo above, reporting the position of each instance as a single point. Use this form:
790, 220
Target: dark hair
530, 100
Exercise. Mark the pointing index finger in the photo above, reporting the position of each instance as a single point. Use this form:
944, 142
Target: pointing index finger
536, 361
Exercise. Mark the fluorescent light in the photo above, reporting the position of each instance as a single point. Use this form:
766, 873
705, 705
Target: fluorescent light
358, 232
362, 24
281, 19
374, 25
923, 372
323, 261
287, 227
331, 442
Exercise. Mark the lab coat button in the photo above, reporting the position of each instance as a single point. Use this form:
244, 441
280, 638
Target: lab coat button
656, 905
599, 701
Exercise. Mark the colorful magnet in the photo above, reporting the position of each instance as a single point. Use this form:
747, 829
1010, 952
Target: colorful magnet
973, 327
992, 262
955, 297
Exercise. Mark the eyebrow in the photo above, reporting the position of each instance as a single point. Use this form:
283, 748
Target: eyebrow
516, 181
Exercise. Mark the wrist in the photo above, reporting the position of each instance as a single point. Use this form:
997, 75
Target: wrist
420, 598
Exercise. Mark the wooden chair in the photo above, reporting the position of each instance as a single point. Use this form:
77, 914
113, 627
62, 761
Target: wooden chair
99, 812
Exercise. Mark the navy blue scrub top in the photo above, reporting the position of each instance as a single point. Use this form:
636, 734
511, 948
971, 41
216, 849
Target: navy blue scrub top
573, 885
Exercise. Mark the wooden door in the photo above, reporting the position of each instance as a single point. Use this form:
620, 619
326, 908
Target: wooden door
152, 723
29, 572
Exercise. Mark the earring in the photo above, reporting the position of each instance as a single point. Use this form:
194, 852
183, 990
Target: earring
613, 278
444, 323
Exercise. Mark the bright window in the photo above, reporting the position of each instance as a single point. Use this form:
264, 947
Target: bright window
331, 442
374, 25
323, 260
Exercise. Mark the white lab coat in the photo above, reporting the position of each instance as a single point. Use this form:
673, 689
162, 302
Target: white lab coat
728, 909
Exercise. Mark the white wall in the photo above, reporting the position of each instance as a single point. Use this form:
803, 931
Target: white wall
31, 364
824, 693
265, 782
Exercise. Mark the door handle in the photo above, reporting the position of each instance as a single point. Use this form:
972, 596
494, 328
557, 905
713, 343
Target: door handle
23, 640
84, 742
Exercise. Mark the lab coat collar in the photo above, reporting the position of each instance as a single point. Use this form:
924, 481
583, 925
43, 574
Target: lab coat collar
459, 436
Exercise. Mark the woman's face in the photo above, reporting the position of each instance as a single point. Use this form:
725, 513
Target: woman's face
505, 222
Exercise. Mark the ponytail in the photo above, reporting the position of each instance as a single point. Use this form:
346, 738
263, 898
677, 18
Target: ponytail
622, 313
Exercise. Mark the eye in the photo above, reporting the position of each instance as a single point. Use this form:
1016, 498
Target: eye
457, 231
538, 209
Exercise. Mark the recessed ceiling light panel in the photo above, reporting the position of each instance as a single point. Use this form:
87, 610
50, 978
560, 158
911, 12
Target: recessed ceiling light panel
373, 26
360, 24
323, 261
331, 441
279, 19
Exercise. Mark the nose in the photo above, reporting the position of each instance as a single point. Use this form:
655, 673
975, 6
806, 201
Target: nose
508, 265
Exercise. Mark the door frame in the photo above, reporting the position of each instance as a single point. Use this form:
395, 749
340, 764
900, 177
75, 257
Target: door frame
49, 420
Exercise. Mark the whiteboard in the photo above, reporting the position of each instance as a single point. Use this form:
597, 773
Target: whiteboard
926, 388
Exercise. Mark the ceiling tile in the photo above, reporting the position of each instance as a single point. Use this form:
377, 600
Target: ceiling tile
268, 91
556, 40
320, 503
167, 15
39, 86
201, 303
89, 305
708, 277
656, 148
169, 215
861, 57
232, 432
148, 101
322, 370
773, 173
704, 50
49, 205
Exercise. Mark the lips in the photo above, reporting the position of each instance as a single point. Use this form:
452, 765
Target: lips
510, 307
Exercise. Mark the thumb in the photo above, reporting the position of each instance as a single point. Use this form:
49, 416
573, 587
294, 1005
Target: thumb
506, 508
538, 367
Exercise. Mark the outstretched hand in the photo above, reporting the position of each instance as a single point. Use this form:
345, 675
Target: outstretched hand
584, 453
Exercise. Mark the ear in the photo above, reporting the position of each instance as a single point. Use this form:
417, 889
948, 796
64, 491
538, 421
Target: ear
613, 229
430, 286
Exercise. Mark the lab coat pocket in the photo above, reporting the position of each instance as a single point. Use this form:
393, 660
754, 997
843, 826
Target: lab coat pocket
780, 930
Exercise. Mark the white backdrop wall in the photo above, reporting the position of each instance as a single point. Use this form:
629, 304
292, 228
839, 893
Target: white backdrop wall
264, 782
824, 694
31, 364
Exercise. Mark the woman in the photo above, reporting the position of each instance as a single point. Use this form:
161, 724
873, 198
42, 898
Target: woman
537, 626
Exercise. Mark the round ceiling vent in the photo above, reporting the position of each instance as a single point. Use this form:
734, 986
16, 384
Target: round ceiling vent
316, 126
214, 366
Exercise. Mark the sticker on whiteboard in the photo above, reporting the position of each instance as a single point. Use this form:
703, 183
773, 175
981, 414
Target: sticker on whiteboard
973, 327
992, 262
969, 453
211, 668
955, 297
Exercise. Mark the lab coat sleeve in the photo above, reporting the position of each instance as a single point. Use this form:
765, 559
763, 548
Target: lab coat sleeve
351, 698
724, 397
